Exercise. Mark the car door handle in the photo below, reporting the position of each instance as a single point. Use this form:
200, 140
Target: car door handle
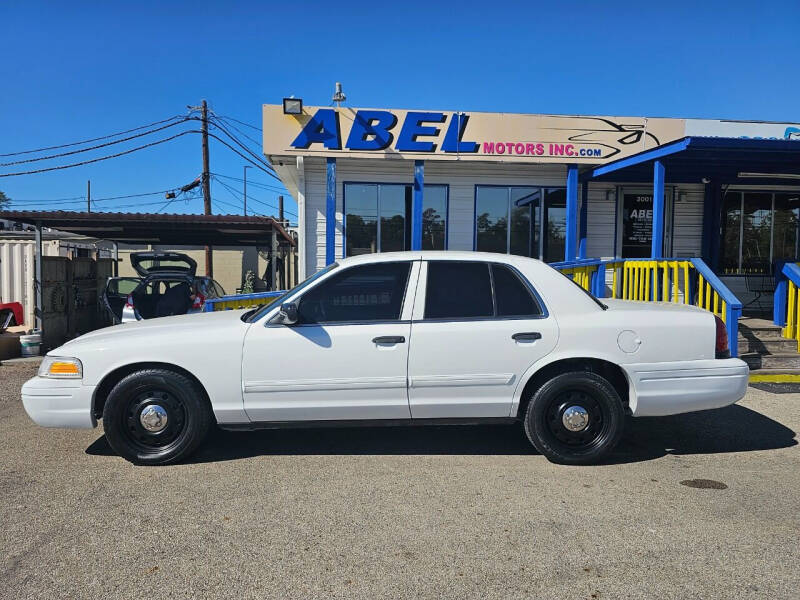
389, 339
527, 336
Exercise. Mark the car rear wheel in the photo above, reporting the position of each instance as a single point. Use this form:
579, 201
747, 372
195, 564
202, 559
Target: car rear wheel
575, 418
156, 417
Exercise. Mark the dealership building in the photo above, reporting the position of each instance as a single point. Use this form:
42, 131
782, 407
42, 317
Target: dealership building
554, 187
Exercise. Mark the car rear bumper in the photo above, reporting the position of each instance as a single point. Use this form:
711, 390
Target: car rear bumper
672, 388
59, 403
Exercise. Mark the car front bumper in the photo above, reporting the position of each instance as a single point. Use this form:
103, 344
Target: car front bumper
672, 388
59, 402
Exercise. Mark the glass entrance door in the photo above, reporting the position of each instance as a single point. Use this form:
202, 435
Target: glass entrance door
635, 223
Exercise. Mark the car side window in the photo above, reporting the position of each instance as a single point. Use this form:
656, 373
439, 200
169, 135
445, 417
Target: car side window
372, 292
513, 298
458, 290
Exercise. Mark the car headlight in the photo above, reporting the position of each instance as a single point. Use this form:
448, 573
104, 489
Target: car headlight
58, 367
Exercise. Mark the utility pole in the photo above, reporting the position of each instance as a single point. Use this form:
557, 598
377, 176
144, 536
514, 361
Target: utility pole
280, 209
88, 195
206, 183
245, 187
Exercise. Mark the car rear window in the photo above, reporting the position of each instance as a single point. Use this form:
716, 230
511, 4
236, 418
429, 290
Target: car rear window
513, 297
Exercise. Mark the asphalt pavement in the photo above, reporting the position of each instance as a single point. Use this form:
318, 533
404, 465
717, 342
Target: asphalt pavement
704, 505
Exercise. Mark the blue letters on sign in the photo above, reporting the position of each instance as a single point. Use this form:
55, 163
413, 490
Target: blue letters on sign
452, 139
413, 128
322, 128
375, 123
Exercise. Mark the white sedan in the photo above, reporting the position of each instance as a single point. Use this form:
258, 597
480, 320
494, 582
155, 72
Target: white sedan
396, 338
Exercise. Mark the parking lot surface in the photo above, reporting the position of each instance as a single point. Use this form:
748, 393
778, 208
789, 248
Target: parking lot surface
440, 512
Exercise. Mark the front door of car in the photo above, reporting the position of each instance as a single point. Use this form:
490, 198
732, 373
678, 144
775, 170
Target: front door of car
477, 327
346, 357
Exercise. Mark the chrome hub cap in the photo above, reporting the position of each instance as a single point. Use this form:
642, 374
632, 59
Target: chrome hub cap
575, 418
153, 418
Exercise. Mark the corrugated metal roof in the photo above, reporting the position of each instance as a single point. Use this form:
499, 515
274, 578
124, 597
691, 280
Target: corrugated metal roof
183, 229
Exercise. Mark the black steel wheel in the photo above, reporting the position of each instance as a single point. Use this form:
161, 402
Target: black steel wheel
156, 417
575, 418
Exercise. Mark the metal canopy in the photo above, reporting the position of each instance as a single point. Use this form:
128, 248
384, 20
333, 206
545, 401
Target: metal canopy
148, 228
721, 160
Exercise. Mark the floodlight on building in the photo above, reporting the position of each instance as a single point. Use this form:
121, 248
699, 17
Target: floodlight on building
292, 106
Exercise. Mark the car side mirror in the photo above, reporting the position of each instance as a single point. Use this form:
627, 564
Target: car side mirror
287, 315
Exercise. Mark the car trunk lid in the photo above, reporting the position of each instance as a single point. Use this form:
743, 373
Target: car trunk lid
163, 263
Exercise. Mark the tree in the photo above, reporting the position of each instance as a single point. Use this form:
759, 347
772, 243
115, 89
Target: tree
4, 200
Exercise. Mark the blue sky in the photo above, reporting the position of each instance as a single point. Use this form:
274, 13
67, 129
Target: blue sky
79, 70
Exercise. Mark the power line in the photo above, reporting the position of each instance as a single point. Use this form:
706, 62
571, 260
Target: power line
240, 122
238, 197
94, 160
281, 190
105, 137
135, 195
242, 133
40, 200
71, 152
244, 147
255, 164
81, 199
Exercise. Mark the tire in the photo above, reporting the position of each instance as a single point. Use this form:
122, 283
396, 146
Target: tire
571, 441
135, 427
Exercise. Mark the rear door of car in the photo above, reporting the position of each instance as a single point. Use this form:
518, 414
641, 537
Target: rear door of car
476, 328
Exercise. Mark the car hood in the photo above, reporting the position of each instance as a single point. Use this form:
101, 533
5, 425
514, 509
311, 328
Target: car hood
112, 337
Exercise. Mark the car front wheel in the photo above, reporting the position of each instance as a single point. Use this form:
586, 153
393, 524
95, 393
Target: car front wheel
156, 417
575, 418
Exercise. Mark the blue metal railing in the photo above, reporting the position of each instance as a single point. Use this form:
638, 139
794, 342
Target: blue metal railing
786, 303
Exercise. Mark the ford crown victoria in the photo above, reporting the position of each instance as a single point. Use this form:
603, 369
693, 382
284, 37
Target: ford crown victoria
396, 338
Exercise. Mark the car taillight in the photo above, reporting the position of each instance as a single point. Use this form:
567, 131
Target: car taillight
721, 349
129, 302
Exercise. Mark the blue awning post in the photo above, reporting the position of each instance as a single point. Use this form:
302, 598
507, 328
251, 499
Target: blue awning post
716, 225
657, 249
708, 223
584, 219
330, 213
416, 213
572, 212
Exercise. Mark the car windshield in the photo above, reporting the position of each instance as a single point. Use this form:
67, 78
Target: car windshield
280, 299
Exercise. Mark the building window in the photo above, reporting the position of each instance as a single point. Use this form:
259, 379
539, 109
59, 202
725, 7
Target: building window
434, 217
378, 217
759, 229
509, 220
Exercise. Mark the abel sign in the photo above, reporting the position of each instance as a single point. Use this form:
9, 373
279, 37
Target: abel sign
451, 135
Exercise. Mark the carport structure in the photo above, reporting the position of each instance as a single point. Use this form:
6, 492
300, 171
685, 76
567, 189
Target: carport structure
150, 228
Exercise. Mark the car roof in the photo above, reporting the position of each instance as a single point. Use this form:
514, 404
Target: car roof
462, 255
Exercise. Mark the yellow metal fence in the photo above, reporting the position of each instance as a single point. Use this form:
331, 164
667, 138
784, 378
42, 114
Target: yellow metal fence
651, 280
